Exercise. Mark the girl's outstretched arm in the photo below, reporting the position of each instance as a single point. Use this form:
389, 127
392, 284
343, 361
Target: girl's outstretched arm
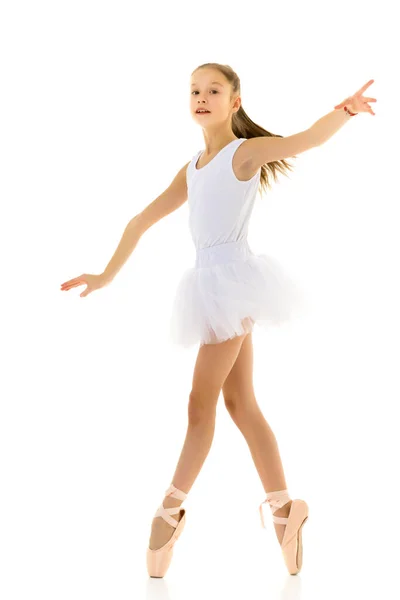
171, 199
257, 151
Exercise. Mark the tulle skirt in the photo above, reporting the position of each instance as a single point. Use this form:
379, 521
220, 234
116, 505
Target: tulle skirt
229, 290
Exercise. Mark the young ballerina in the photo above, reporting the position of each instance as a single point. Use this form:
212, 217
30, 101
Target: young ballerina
229, 289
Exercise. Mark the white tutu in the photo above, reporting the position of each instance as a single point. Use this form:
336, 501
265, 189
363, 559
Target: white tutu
228, 284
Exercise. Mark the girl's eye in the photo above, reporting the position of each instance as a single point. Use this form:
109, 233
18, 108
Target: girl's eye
194, 92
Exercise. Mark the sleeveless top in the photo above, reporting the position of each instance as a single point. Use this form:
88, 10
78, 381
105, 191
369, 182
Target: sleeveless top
230, 287
220, 205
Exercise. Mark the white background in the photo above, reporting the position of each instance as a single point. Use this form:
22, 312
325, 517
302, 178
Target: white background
95, 124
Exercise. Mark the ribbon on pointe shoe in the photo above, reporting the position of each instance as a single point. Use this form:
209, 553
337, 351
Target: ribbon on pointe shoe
276, 500
174, 492
166, 513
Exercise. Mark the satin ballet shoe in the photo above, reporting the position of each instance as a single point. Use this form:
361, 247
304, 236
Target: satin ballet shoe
291, 545
159, 560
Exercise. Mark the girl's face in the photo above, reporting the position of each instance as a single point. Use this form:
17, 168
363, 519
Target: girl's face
211, 91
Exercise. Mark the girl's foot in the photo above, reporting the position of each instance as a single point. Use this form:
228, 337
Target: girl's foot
280, 504
288, 517
164, 535
161, 531
280, 529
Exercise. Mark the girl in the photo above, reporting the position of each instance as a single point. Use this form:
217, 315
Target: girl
226, 292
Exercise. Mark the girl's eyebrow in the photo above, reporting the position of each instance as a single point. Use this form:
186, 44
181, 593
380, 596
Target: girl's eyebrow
216, 82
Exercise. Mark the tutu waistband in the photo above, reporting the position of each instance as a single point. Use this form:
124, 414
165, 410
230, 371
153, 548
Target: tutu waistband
222, 253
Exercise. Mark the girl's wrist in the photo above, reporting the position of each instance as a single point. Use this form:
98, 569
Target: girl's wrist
349, 112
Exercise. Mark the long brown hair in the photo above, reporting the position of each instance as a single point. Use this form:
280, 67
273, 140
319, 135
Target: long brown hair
244, 127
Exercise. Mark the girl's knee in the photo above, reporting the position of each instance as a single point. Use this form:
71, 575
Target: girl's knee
201, 407
239, 406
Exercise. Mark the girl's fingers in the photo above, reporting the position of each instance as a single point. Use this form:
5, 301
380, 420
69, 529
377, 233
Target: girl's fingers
68, 285
70, 281
74, 281
79, 278
358, 95
364, 87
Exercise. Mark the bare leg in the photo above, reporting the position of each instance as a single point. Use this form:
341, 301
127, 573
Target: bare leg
265, 453
243, 408
214, 361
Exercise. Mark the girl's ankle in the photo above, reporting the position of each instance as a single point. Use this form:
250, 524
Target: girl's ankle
169, 502
284, 510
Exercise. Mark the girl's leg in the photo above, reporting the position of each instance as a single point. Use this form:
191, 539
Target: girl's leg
214, 361
242, 406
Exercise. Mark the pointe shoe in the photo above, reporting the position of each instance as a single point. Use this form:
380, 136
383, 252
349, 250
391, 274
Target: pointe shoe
158, 560
291, 545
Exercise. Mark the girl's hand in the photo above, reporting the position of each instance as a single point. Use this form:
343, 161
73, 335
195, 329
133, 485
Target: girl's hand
94, 282
357, 103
